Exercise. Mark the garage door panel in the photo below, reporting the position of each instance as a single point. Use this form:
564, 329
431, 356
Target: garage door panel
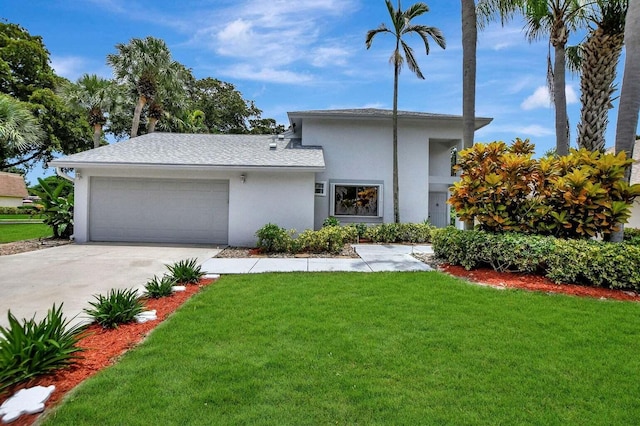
153, 210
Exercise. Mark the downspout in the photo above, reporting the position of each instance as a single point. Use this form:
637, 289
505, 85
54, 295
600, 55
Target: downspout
63, 175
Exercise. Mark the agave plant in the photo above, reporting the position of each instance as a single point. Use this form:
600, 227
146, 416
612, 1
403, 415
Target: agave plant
119, 306
186, 271
31, 348
160, 287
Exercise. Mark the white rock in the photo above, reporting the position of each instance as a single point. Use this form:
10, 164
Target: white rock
212, 276
25, 401
145, 316
179, 288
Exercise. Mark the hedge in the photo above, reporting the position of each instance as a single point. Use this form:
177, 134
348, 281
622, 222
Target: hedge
588, 262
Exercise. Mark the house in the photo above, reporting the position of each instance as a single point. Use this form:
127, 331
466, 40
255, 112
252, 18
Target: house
634, 220
12, 189
220, 189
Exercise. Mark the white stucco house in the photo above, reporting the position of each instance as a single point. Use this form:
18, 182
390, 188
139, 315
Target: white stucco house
634, 220
13, 189
220, 189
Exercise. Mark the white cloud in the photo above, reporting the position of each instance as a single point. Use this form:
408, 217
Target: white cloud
535, 130
70, 67
329, 56
265, 74
541, 98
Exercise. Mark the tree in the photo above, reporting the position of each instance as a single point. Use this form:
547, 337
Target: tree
25, 75
469, 43
95, 95
630, 92
146, 66
402, 26
24, 62
599, 56
224, 108
555, 19
20, 132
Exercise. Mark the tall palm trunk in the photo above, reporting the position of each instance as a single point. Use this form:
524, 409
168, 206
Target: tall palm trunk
136, 116
469, 42
629, 93
97, 132
600, 56
559, 41
396, 196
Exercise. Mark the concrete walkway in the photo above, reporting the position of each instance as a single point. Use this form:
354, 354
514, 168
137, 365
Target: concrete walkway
373, 258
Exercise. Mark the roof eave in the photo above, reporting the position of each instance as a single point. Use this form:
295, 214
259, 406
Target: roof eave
177, 167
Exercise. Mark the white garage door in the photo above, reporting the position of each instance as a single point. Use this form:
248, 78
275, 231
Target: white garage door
159, 210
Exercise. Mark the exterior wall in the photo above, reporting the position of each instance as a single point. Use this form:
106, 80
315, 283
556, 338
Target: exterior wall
278, 197
10, 201
634, 220
362, 151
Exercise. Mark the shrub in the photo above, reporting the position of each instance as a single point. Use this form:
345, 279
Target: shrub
330, 221
632, 236
118, 307
580, 195
594, 263
272, 238
56, 209
9, 210
186, 271
34, 348
361, 229
328, 239
160, 287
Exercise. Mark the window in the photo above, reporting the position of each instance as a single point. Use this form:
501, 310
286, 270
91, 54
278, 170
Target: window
321, 190
357, 200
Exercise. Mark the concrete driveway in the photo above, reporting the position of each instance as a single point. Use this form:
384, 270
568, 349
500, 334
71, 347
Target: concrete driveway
30, 283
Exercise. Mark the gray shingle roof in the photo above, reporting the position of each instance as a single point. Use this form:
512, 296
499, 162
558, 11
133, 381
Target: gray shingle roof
193, 150
375, 113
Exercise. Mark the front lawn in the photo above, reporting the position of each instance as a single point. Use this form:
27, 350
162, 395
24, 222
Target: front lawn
23, 231
383, 348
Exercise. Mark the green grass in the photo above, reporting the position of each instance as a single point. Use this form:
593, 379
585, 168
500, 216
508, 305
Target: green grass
23, 231
387, 348
19, 216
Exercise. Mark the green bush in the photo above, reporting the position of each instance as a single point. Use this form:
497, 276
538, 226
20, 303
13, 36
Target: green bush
331, 221
587, 262
10, 210
632, 236
595, 263
160, 287
56, 208
272, 238
399, 233
186, 271
330, 239
118, 307
35, 348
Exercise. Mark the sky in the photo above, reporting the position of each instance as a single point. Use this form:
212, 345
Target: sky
293, 55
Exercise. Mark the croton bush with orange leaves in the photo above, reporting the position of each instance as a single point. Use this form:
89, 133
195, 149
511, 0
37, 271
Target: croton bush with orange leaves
580, 195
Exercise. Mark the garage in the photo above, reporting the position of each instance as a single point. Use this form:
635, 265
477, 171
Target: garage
159, 210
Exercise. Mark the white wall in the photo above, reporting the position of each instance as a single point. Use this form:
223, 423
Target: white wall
634, 220
10, 202
362, 150
284, 198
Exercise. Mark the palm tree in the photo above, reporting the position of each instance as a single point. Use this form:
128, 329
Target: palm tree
401, 26
96, 96
555, 19
145, 65
20, 131
599, 56
469, 42
629, 93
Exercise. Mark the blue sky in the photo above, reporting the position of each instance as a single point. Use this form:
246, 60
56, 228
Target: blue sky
290, 55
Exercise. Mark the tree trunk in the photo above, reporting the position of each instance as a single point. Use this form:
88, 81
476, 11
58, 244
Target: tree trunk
629, 94
560, 101
601, 53
469, 42
97, 132
151, 127
136, 116
396, 197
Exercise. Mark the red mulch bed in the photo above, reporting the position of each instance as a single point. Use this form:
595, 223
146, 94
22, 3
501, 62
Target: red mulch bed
535, 283
103, 347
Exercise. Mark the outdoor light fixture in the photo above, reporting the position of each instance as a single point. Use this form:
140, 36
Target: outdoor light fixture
243, 178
